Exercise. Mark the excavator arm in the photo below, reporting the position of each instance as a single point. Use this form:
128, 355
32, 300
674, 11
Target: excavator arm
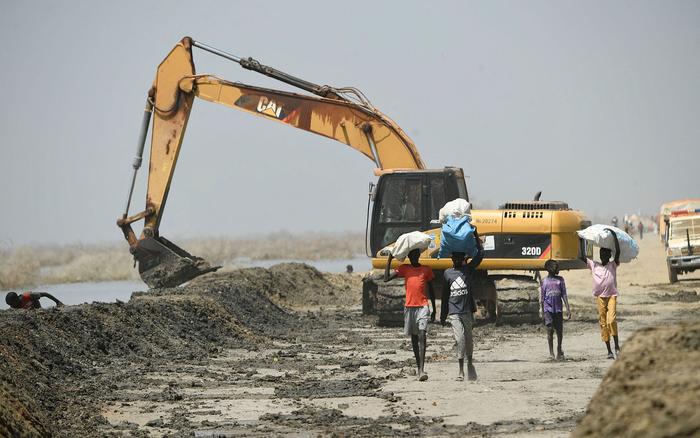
341, 114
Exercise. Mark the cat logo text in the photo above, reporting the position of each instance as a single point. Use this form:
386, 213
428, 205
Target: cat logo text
269, 107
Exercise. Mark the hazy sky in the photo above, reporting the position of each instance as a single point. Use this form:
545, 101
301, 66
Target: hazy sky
594, 103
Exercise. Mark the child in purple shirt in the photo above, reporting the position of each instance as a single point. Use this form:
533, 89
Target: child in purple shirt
552, 293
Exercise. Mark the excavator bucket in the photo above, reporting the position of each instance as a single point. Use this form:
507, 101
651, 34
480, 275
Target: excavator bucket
164, 264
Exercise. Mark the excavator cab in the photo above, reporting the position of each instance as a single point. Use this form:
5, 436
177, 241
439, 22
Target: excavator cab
410, 200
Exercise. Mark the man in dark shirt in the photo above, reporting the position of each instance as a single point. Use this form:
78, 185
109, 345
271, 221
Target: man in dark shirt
458, 306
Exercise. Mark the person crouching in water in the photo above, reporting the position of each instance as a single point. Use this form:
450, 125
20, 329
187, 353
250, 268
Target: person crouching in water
416, 310
458, 306
552, 293
29, 300
605, 292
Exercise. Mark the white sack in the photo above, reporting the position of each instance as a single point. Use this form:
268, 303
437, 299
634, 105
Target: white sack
599, 236
408, 242
456, 208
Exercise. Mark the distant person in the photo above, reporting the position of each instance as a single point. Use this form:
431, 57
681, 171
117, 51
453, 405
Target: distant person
29, 300
416, 310
614, 221
349, 269
605, 291
458, 306
552, 293
640, 228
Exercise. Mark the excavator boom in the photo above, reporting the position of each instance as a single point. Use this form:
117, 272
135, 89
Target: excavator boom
366, 130
341, 114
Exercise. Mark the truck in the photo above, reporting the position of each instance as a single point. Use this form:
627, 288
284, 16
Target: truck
666, 209
682, 243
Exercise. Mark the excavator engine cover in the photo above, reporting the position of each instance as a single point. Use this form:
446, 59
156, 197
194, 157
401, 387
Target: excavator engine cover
164, 264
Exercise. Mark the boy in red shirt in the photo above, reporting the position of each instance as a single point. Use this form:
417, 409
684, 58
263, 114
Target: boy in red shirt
416, 310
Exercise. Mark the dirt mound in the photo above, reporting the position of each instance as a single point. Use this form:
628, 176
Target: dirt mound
52, 356
290, 284
45, 350
652, 390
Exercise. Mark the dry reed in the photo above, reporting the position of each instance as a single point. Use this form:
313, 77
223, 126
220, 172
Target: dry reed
26, 266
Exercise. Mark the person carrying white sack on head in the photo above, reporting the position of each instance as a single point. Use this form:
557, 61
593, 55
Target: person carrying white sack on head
457, 208
605, 276
407, 243
457, 234
418, 277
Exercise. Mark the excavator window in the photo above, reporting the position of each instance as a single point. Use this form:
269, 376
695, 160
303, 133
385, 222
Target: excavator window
408, 201
461, 188
402, 202
437, 195
398, 208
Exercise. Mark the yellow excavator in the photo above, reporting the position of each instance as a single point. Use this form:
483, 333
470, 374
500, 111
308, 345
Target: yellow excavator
519, 236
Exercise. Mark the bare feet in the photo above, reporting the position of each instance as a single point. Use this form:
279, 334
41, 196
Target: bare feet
460, 378
423, 377
560, 355
471, 372
611, 356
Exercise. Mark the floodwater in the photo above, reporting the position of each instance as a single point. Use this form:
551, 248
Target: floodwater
111, 291
78, 293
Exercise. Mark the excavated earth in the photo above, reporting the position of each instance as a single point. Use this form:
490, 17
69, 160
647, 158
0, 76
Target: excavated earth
286, 351
653, 390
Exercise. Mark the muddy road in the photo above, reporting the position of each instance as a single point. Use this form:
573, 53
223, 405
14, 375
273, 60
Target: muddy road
260, 352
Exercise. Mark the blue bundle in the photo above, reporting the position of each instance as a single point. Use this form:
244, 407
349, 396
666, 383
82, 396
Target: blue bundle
457, 236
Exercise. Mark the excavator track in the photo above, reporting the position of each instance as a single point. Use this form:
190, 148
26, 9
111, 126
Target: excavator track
518, 299
384, 299
505, 299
